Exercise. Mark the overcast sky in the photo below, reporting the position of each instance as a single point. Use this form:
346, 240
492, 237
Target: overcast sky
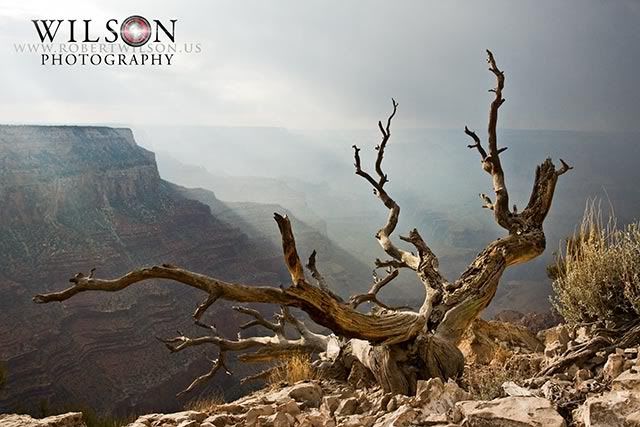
335, 64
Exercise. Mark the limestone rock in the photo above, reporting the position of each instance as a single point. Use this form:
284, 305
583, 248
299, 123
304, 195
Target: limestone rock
178, 419
513, 389
289, 407
71, 419
403, 416
612, 409
258, 411
330, 404
510, 412
614, 366
219, 420
315, 418
347, 407
555, 340
308, 393
628, 380
435, 397
482, 340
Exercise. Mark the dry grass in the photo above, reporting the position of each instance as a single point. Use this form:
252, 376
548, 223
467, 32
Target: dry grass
597, 275
294, 368
484, 382
206, 404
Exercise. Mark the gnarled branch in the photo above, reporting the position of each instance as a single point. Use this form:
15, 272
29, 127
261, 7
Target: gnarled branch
216, 365
386, 340
383, 235
372, 295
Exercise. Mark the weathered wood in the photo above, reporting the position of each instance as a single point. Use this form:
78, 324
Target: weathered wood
398, 346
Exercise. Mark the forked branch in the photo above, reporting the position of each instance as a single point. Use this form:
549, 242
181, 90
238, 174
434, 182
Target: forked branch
491, 160
383, 235
216, 365
543, 190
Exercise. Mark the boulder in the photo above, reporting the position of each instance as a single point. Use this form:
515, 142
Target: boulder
347, 407
219, 420
401, 417
178, 419
513, 389
555, 340
308, 393
435, 397
627, 381
280, 419
330, 404
70, 419
258, 411
612, 409
289, 407
614, 366
510, 412
315, 418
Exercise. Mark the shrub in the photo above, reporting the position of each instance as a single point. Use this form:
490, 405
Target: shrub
597, 274
297, 367
484, 381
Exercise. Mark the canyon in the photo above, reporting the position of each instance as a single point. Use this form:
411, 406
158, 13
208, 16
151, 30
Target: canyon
75, 198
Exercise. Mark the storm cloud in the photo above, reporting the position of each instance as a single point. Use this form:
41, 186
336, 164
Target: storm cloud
336, 64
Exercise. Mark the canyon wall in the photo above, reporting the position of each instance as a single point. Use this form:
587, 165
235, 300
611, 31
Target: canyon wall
75, 198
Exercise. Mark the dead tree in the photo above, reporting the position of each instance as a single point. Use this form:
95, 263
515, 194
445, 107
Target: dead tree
399, 346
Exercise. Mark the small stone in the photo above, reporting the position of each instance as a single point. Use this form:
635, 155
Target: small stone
70, 419
392, 405
358, 421
381, 403
614, 408
627, 381
219, 420
258, 411
582, 375
587, 386
511, 411
513, 389
614, 366
347, 407
330, 404
289, 407
403, 416
308, 393
280, 419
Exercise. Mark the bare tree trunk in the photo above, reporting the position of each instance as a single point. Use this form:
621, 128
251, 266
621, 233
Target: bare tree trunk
398, 345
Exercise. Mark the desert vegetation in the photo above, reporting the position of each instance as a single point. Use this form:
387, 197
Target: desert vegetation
597, 275
293, 368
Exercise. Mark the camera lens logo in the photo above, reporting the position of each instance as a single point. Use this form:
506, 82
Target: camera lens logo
135, 31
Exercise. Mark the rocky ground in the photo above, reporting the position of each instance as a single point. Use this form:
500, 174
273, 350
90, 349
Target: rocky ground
593, 391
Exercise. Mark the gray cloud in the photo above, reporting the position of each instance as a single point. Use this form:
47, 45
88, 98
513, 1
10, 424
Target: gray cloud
333, 64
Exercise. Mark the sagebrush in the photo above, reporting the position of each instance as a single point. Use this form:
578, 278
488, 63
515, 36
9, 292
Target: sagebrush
597, 274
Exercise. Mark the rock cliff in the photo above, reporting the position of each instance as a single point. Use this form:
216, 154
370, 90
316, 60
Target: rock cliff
75, 198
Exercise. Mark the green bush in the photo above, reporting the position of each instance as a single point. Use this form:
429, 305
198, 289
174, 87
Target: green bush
597, 275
